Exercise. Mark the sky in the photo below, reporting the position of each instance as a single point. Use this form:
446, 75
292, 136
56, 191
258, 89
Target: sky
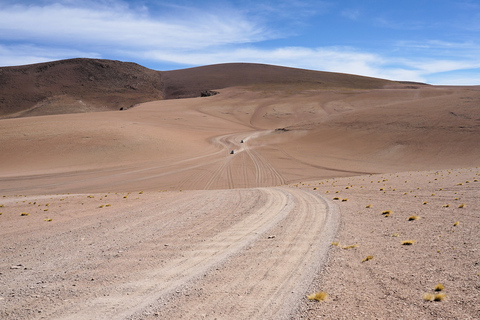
433, 41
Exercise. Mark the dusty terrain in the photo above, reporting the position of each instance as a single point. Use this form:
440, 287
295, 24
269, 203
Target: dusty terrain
146, 213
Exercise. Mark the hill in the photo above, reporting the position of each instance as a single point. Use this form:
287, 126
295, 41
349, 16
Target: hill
75, 85
85, 85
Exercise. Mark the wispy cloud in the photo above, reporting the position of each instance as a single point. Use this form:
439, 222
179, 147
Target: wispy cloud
123, 27
351, 13
185, 33
15, 55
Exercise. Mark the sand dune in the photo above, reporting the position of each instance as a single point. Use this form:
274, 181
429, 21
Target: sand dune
244, 234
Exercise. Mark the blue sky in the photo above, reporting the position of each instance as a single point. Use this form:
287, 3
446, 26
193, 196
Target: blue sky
434, 41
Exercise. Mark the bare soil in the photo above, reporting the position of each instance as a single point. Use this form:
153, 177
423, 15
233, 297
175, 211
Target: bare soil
146, 213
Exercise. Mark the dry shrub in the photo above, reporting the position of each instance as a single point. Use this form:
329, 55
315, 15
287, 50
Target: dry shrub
408, 242
439, 287
412, 218
319, 296
428, 297
439, 297
368, 258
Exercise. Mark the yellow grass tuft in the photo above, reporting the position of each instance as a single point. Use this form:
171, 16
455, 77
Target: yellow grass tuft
408, 242
425, 202
428, 297
344, 200
367, 258
335, 243
48, 219
1, 205
387, 212
90, 197
350, 246
141, 192
396, 235
23, 214
439, 287
336, 198
368, 206
315, 188
412, 218
319, 296
439, 297
446, 205
462, 205
456, 223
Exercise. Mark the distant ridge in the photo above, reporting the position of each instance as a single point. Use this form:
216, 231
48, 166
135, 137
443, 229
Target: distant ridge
76, 85
86, 85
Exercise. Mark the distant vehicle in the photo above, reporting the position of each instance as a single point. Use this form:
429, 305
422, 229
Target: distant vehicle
232, 152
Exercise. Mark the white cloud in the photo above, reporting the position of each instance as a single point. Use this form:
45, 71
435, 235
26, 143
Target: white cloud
334, 59
123, 27
16, 55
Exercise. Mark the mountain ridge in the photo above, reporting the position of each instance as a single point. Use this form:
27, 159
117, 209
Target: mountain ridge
87, 85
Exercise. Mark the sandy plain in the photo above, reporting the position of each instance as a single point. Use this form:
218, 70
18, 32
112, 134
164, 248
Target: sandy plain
145, 213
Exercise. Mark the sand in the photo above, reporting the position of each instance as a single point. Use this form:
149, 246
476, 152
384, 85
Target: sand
145, 213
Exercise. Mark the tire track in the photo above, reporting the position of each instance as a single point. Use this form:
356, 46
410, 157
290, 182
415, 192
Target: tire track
269, 277
242, 273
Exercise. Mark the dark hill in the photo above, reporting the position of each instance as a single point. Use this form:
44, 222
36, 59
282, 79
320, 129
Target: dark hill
85, 85
190, 82
76, 85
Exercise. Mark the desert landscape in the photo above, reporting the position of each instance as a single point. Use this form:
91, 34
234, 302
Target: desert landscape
236, 191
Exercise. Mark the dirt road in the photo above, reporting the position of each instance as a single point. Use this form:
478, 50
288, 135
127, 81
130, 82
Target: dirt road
236, 254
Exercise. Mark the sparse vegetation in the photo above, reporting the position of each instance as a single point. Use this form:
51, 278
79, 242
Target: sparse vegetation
368, 258
428, 297
24, 214
462, 205
408, 242
350, 246
412, 218
439, 287
439, 297
318, 296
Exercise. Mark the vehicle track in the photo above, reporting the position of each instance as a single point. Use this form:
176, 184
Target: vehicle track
218, 244
269, 277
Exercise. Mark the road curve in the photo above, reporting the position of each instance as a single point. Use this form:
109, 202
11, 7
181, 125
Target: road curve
233, 254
